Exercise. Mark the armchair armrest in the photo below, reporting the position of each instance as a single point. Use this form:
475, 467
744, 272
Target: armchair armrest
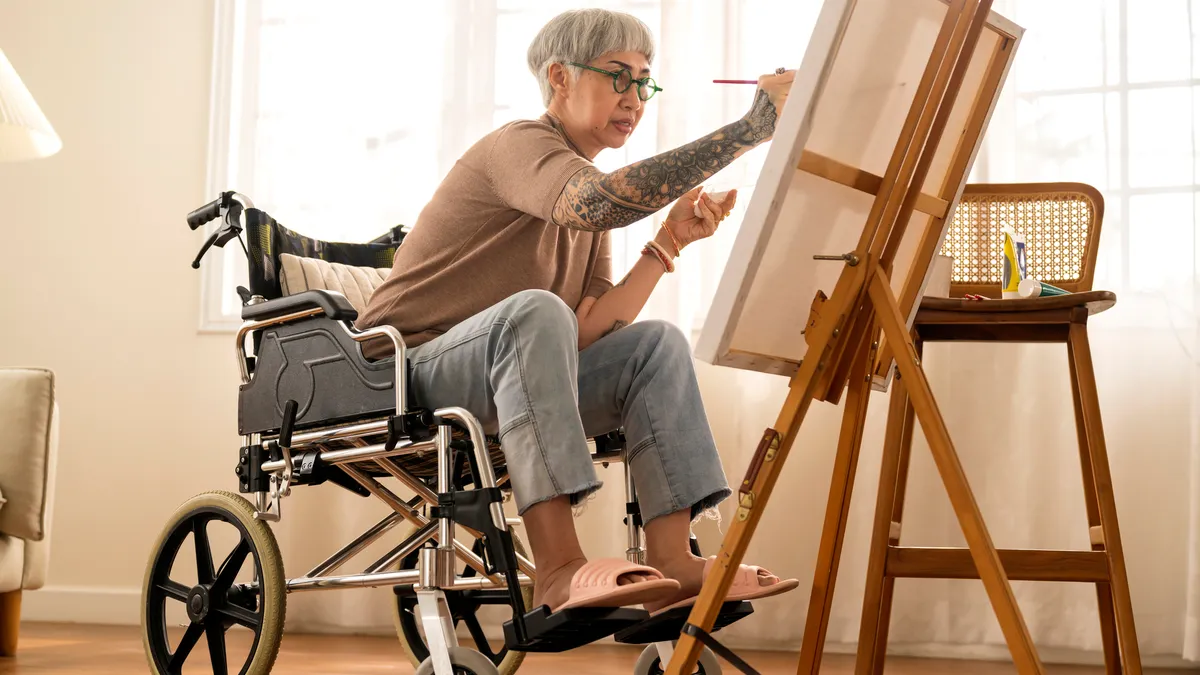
28, 450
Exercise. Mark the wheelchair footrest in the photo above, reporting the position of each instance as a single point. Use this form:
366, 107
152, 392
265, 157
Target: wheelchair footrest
570, 628
666, 627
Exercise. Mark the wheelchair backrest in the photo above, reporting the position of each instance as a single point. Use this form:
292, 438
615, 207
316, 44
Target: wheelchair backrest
267, 240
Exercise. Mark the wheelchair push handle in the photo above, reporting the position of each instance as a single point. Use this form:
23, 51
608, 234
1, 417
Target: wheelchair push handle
229, 207
207, 213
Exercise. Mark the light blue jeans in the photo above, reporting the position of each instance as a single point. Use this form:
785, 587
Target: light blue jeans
518, 368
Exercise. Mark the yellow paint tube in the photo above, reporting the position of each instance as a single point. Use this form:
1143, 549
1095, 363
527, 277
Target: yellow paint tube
1012, 263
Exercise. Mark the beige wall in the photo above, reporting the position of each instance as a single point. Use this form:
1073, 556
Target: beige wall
96, 283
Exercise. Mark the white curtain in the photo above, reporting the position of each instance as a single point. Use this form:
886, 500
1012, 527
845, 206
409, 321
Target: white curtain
1092, 98
1088, 99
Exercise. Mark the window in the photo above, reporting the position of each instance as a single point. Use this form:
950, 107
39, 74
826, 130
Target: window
1105, 92
340, 120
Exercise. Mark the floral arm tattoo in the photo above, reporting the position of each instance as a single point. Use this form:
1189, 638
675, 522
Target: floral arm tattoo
596, 201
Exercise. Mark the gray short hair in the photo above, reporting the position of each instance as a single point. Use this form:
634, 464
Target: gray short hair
581, 35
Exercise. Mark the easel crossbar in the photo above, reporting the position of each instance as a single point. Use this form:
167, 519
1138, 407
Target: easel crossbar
864, 181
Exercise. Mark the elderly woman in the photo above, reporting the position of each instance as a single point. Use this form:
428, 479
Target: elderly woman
504, 293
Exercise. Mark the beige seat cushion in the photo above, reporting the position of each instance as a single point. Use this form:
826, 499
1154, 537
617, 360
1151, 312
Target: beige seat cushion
307, 274
28, 436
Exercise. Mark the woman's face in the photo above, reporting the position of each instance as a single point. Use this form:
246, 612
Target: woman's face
596, 116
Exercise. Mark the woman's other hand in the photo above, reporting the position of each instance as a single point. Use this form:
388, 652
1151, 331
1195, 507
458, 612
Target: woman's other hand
683, 224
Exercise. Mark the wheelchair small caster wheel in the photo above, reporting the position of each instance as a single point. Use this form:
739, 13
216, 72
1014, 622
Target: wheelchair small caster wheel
466, 607
650, 664
228, 589
465, 662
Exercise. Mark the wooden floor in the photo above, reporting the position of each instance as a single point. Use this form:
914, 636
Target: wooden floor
113, 650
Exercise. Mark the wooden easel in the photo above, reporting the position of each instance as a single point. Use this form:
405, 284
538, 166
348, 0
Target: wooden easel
844, 347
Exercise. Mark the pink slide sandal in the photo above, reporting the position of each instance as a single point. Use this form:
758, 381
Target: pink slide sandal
747, 585
600, 583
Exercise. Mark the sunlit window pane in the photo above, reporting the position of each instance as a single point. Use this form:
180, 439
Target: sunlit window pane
1159, 38
1161, 240
1067, 137
1160, 137
1063, 46
342, 144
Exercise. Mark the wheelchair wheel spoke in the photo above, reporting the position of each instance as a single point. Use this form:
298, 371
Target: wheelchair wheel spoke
174, 589
241, 616
204, 559
190, 638
216, 648
230, 568
481, 641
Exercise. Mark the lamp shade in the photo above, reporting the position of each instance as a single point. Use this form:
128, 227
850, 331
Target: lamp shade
25, 133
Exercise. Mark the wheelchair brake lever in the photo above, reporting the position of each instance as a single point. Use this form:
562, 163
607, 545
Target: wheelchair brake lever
212, 238
285, 446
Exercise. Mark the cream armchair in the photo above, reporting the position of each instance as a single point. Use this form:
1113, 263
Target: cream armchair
28, 452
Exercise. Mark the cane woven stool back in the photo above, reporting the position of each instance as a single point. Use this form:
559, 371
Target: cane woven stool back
1060, 223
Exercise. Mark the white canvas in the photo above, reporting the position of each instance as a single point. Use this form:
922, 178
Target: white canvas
845, 112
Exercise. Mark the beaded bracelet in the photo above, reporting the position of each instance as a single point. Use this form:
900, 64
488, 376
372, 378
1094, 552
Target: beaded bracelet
655, 249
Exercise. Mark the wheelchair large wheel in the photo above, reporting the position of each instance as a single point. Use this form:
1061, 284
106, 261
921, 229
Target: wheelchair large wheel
464, 607
216, 571
649, 663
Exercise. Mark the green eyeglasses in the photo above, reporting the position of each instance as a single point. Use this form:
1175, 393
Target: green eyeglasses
623, 79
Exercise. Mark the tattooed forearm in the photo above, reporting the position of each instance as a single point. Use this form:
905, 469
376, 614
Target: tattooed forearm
596, 201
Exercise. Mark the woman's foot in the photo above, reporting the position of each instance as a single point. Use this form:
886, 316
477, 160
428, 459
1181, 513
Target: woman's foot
553, 587
687, 569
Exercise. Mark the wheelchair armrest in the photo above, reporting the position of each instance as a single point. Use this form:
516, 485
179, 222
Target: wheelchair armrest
335, 305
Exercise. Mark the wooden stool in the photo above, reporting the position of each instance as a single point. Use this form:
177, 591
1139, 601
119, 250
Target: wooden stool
1061, 225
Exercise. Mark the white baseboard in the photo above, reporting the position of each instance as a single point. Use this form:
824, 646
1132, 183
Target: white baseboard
83, 604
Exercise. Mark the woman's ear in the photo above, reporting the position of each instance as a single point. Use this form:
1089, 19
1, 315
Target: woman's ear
558, 78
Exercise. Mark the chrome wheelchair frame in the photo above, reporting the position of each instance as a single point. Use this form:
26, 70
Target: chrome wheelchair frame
287, 443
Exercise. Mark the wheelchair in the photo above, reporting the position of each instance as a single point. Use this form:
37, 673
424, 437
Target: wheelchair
314, 410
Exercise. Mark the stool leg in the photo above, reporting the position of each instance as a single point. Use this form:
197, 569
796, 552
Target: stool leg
889, 503
1104, 599
1081, 361
837, 511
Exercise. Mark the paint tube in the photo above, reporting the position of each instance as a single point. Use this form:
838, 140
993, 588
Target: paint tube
1032, 288
1012, 262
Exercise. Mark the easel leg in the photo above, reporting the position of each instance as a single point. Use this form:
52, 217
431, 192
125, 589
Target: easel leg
836, 513
983, 551
737, 539
1108, 619
1083, 381
889, 583
889, 504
